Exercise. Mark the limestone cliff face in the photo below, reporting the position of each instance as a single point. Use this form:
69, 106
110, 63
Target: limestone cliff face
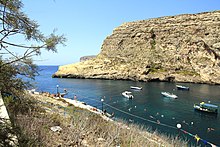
84, 58
183, 48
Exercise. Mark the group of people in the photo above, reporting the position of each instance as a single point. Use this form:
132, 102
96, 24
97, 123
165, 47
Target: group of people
58, 94
48, 94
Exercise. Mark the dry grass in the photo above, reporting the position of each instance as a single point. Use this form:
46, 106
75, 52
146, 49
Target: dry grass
79, 127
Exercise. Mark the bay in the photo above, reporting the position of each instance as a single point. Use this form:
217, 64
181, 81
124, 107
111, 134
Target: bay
148, 108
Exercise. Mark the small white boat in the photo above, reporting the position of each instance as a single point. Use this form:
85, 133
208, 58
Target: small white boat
167, 94
136, 88
181, 87
127, 94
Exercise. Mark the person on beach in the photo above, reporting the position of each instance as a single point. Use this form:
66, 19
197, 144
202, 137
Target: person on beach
75, 97
58, 95
65, 91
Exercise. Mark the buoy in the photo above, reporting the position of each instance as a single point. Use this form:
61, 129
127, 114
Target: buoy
178, 126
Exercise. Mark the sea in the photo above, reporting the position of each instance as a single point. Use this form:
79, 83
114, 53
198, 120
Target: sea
148, 108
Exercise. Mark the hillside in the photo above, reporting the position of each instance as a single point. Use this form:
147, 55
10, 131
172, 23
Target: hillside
182, 48
45, 121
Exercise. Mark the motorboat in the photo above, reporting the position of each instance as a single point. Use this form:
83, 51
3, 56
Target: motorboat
181, 87
136, 88
127, 94
206, 107
170, 95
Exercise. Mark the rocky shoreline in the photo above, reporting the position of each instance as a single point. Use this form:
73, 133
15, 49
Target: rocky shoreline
61, 105
182, 48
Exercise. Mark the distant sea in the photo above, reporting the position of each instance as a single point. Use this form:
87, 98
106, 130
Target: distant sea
148, 108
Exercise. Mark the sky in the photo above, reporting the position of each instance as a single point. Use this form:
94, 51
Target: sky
86, 23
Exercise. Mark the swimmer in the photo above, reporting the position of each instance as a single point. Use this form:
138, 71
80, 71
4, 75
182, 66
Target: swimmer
210, 129
158, 122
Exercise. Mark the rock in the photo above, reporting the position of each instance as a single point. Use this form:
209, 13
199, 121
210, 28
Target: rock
182, 48
56, 129
85, 143
101, 139
84, 58
216, 45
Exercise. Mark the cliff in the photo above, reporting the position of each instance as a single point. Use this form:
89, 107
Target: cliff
183, 48
84, 58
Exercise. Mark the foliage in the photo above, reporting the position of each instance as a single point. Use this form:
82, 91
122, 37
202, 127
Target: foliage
9, 83
16, 59
5, 130
188, 73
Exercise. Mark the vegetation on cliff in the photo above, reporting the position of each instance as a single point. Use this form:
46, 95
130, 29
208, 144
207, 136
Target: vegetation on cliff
183, 48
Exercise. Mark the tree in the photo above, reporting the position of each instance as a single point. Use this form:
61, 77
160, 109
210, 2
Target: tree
13, 61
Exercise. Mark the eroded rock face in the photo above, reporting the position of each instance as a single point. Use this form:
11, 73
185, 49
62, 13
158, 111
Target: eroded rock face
84, 58
183, 48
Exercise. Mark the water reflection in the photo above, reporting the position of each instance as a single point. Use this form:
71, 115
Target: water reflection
205, 115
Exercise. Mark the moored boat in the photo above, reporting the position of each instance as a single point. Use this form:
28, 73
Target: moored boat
181, 87
127, 94
206, 107
136, 88
170, 95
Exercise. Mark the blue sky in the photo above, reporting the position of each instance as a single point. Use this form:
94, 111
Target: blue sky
86, 23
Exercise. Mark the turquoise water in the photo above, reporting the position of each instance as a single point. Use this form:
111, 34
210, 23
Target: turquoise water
148, 106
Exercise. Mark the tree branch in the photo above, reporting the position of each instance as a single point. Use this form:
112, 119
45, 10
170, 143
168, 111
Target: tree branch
22, 46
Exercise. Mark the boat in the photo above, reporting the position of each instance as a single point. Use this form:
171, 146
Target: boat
136, 88
181, 87
206, 107
170, 95
127, 94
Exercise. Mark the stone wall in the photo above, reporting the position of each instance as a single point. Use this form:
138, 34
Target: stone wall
183, 48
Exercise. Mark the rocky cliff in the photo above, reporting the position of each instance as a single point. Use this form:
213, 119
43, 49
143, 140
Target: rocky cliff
183, 48
84, 58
